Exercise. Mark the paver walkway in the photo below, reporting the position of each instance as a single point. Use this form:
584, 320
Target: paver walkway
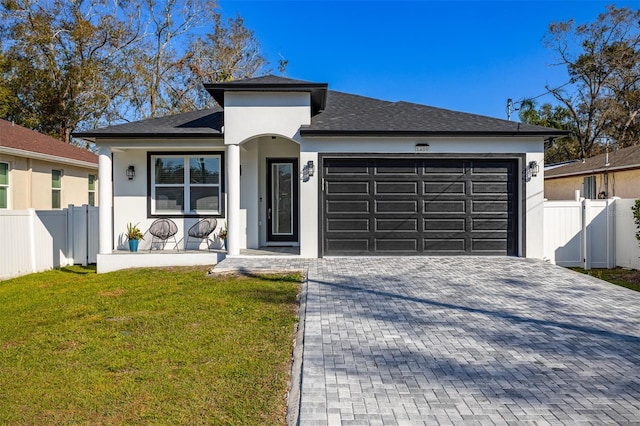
465, 340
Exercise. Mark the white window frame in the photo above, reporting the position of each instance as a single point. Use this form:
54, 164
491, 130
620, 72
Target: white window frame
91, 191
589, 190
186, 185
7, 185
59, 190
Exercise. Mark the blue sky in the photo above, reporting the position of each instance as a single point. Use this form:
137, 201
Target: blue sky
462, 55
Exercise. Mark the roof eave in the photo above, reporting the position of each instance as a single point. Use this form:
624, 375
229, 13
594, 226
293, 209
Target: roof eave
47, 157
91, 136
318, 91
594, 171
319, 132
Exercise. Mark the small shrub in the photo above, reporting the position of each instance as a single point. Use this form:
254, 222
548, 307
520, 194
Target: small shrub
636, 217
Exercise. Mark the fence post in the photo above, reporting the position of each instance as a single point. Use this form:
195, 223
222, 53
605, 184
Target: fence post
612, 207
586, 238
32, 239
69, 254
85, 240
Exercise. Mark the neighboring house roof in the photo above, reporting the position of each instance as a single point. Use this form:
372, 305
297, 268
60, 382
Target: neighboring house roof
337, 114
621, 159
20, 141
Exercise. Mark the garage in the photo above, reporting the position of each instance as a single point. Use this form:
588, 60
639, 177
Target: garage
419, 206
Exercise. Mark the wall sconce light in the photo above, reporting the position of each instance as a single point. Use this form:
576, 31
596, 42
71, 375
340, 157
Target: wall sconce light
131, 172
310, 167
534, 168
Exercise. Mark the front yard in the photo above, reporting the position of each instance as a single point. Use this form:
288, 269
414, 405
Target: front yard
629, 278
152, 346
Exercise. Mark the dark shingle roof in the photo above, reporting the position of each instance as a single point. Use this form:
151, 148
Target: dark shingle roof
341, 114
20, 138
271, 83
351, 114
621, 159
203, 123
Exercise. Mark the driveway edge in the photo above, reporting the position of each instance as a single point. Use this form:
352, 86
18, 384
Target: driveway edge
295, 389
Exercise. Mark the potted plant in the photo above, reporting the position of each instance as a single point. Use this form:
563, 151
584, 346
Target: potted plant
134, 236
223, 235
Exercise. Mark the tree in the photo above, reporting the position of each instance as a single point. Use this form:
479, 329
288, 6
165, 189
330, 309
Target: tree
69, 64
557, 117
8, 100
229, 52
63, 61
157, 83
602, 61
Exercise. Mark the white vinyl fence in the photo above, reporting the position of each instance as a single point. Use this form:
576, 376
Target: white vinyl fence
38, 240
591, 233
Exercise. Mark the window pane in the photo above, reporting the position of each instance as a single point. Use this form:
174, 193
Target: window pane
169, 170
169, 199
55, 179
204, 170
92, 199
282, 199
3, 198
4, 174
204, 198
92, 182
55, 199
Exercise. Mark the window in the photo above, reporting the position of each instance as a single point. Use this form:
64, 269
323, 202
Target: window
56, 189
186, 185
92, 190
589, 187
4, 185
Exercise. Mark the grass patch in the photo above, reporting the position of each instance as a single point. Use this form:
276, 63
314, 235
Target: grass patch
629, 278
152, 346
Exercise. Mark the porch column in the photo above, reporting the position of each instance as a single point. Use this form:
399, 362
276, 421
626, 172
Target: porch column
233, 199
105, 200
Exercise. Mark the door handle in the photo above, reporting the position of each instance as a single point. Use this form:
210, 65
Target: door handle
269, 214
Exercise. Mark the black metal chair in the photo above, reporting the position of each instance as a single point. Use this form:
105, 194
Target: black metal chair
162, 230
202, 230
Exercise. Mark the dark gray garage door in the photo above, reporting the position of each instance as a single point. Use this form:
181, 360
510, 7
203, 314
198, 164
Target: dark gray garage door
419, 206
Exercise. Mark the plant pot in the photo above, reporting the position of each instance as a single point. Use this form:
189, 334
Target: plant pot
225, 244
133, 245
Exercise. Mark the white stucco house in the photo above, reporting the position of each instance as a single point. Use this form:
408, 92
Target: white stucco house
289, 162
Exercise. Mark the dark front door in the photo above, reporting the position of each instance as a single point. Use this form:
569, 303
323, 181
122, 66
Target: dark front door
384, 206
282, 205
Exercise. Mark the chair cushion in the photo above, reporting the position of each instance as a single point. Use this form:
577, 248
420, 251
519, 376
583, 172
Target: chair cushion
163, 229
203, 229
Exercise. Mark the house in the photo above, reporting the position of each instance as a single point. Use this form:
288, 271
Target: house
43, 173
612, 174
290, 162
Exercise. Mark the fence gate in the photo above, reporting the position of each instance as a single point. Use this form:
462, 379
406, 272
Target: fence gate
82, 226
580, 233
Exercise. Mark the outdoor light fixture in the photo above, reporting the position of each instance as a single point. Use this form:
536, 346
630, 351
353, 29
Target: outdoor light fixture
131, 172
310, 167
534, 168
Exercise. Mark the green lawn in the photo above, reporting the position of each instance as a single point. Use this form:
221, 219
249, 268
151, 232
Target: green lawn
629, 278
145, 346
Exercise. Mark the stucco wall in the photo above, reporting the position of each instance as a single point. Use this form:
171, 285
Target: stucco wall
623, 184
30, 183
251, 114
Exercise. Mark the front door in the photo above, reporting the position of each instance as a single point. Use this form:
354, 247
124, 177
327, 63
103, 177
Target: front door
282, 206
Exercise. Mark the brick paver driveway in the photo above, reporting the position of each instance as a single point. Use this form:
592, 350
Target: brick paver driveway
429, 340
